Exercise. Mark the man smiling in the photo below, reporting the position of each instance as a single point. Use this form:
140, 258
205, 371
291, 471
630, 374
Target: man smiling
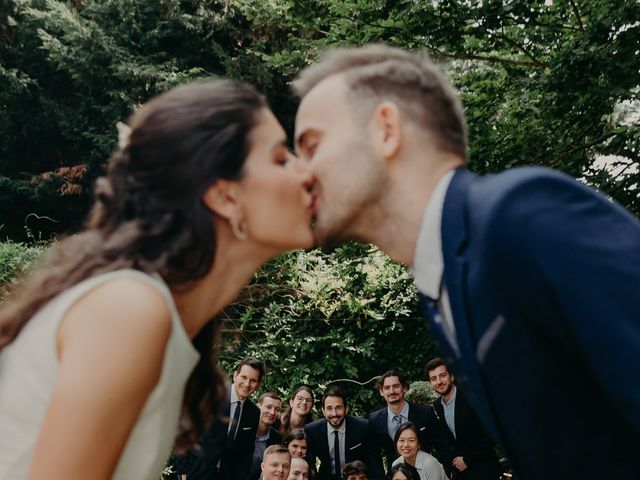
339, 438
276, 463
270, 405
471, 452
226, 451
384, 422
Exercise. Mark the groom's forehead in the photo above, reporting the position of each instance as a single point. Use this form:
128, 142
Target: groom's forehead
320, 106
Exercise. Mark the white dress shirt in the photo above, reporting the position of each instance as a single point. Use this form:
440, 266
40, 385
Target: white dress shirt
428, 261
342, 430
235, 402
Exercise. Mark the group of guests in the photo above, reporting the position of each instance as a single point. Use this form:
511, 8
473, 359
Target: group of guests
281, 439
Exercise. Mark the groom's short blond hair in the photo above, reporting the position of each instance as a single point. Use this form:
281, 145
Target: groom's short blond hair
375, 73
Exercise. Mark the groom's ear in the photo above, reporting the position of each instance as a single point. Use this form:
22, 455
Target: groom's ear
387, 127
223, 198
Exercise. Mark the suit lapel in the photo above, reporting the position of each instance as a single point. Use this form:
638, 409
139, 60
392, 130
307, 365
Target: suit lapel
460, 413
227, 404
323, 440
348, 435
381, 422
454, 234
454, 239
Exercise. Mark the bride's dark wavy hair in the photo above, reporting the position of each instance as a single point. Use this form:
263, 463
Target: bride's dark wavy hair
148, 215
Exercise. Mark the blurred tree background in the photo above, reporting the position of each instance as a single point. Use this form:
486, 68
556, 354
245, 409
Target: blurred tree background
551, 83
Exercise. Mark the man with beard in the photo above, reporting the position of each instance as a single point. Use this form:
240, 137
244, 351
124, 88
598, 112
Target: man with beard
384, 422
339, 438
269, 405
472, 454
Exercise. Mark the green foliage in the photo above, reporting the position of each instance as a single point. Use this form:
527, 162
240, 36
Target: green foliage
325, 319
420, 392
543, 83
15, 260
73, 69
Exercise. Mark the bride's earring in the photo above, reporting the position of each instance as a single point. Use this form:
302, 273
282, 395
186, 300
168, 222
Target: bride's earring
239, 227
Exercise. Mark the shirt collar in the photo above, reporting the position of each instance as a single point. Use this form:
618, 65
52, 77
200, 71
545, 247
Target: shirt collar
452, 399
404, 412
234, 396
428, 263
342, 429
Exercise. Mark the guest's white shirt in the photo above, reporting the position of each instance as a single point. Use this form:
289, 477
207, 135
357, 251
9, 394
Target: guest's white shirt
341, 439
235, 403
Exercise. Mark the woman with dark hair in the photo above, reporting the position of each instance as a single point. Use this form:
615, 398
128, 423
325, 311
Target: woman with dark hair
97, 349
408, 447
403, 471
299, 412
296, 442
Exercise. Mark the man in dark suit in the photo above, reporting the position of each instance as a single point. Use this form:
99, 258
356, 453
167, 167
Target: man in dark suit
269, 405
339, 438
472, 454
530, 279
226, 451
384, 422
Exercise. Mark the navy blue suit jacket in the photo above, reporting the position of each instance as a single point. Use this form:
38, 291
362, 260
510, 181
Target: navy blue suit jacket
424, 418
359, 445
234, 455
471, 442
274, 439
543, 276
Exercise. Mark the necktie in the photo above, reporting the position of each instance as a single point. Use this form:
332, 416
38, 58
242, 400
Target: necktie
234, 423
336, 455
397, 421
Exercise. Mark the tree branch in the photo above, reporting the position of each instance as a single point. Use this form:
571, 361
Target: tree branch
592, 143
577, 14
521, 48
537, 23
489, 58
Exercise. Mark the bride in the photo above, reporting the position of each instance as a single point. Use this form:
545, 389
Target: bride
104, 348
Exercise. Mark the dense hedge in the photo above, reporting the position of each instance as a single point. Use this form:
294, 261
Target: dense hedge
317, 318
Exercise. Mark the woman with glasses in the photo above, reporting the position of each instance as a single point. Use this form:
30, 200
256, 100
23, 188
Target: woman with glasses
299, 412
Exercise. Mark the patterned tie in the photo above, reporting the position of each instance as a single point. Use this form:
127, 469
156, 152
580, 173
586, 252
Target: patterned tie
397, 421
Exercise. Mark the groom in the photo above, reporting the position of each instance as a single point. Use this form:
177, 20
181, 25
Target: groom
529, 279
